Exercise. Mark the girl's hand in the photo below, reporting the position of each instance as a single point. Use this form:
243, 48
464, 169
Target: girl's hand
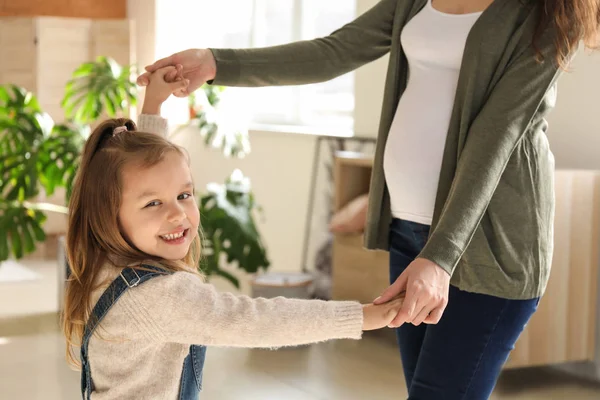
380, 316
426, 286
162, 84
198, 65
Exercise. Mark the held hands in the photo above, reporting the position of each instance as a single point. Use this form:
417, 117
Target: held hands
380, 316
161, 84
198, 66
426, 287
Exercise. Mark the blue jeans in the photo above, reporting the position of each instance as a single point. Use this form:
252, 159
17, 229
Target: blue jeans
461, 356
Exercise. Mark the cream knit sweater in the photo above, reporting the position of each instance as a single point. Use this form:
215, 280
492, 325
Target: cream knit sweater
138, 350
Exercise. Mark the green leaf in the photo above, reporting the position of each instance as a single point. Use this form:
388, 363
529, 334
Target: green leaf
20, 229
4, 252
84, 70
15, 239
28, 239
110, 104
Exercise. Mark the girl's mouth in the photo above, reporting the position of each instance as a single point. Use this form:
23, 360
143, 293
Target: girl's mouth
175, 238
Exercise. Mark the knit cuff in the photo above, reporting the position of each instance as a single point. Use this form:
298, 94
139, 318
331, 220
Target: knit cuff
442, 251
153, 124
348, 320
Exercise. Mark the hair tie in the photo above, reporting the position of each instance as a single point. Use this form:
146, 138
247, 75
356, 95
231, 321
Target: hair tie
119, 129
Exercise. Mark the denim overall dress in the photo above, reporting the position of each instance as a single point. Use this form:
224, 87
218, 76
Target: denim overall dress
191, 375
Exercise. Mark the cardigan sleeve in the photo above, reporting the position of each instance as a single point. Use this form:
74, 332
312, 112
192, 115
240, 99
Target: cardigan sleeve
504, 119
365, 39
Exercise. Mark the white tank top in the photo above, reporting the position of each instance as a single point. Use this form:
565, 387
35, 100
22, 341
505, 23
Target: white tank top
434, 43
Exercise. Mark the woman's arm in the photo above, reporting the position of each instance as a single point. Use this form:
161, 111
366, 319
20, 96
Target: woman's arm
363, 40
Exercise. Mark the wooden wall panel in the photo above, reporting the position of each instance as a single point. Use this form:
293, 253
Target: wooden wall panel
64, 44
110, 9
564, 327
114, 38
18, 52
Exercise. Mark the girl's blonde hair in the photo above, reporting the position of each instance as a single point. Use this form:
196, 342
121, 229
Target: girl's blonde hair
93, 224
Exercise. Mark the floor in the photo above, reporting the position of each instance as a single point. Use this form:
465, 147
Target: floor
36, 296
32, 363
32, 367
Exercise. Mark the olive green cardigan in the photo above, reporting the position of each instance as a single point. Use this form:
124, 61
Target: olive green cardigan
492, 227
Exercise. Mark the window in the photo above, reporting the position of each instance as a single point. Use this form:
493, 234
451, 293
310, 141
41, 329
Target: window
259, 23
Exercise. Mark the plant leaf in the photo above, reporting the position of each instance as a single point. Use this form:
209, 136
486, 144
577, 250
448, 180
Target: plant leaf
17, 223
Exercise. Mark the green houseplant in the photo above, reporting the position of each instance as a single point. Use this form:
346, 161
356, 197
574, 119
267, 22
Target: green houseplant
227, 210
37, 154
228, 227
97, 87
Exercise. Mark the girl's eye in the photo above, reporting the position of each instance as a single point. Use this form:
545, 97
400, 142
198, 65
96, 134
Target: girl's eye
184, 196
153, 203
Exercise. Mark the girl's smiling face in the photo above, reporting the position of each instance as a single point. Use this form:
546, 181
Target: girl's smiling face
158, 213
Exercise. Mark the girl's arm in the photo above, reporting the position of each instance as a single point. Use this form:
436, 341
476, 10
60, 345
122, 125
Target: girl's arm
181, 308
162, 84
153, 123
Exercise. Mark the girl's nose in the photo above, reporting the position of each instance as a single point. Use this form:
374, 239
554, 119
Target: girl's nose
176, 213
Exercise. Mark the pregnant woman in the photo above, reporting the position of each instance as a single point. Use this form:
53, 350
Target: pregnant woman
462, 191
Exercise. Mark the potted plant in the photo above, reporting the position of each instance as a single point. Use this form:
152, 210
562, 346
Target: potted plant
98, 87
229, 230
227, 210
38, 155
35, 155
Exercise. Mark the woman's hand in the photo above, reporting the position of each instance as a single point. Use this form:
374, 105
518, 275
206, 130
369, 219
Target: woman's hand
426, 285
199, 66
162, 84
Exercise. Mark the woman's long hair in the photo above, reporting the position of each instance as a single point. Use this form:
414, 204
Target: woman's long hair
93, 226
574, 21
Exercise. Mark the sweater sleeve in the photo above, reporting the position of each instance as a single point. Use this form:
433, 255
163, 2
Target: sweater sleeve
181, 308
507, 115
365, 39
153, 124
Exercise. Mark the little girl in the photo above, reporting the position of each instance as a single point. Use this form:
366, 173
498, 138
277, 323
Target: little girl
135, 304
